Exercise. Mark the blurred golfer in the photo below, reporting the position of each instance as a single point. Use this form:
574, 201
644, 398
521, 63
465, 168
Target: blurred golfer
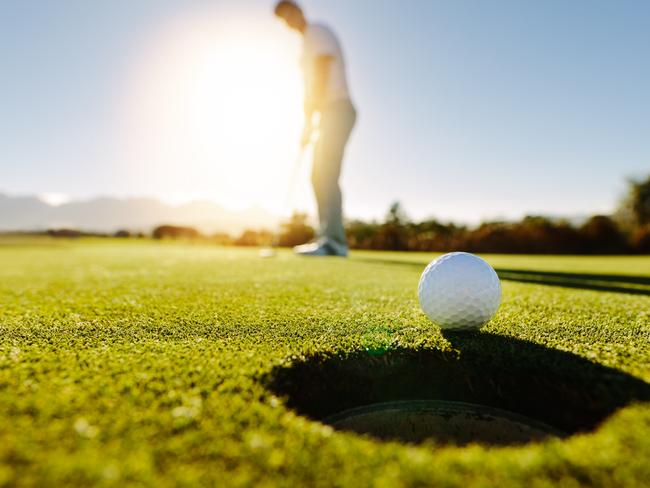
326, 95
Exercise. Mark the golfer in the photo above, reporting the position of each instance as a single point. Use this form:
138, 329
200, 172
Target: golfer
327, 100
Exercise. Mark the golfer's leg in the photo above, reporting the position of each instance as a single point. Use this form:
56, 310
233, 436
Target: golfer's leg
336, 126
317, 175
333, 219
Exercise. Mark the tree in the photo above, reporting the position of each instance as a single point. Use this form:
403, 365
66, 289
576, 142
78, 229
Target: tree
396, 214
601, 235
393, 233
254, 238
641, 240
175, 232
296, 231
634, 210
362, 235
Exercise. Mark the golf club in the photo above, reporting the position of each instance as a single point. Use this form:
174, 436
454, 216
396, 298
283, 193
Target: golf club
270, 251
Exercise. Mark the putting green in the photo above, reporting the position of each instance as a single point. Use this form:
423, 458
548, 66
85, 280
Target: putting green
166, 364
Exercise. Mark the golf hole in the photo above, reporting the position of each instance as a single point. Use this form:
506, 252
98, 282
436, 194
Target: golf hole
446, 422
485, 389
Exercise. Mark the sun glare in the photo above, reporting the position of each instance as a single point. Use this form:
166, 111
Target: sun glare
54, 199
214, 111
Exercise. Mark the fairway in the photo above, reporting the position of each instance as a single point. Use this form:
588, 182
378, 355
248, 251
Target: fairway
165, 364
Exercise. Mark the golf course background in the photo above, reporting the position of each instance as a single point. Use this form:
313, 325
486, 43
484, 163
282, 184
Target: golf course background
166, 363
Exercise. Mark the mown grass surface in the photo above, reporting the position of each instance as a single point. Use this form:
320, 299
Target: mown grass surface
149, 363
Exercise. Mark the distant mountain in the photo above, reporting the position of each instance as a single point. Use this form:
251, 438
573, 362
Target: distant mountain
140, 214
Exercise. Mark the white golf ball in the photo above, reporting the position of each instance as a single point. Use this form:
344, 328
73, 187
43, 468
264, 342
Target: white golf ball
459, 291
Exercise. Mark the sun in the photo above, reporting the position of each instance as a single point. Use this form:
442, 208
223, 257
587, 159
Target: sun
215, 111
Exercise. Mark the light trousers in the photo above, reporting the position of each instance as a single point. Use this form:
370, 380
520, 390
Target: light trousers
336, 123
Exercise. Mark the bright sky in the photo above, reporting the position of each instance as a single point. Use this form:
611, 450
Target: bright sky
468, 109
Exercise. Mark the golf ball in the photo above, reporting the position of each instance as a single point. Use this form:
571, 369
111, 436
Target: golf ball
459, 291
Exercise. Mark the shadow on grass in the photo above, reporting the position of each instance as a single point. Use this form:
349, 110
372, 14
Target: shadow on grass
636, 285
560, 389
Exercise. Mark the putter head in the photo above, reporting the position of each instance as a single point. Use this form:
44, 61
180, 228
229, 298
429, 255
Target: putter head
267, 252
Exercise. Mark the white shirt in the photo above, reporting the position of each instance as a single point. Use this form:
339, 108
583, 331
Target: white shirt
319, 40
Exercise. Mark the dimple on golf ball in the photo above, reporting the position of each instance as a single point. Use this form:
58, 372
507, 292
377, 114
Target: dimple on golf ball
459, 291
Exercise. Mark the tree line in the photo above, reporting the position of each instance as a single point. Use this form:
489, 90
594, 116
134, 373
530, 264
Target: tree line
626, 231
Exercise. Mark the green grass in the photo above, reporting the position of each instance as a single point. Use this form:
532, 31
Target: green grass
151, 364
